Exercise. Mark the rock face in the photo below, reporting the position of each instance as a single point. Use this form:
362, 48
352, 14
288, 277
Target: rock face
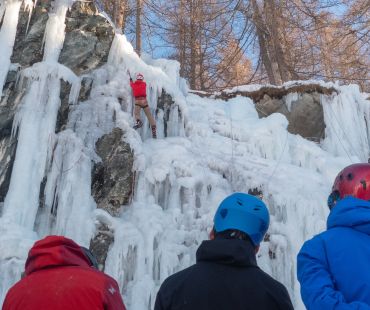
28, 47
306, 116
100, 244
113, 177
112, 183
88, 38
165, 102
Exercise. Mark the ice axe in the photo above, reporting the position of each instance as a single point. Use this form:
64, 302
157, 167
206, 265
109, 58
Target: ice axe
128, 72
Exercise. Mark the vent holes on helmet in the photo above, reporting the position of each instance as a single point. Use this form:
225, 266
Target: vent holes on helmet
239, 202
223, 213
363, 182
341, 177
350, 176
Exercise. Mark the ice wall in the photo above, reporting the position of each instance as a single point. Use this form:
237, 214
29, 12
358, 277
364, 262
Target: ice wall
181, 181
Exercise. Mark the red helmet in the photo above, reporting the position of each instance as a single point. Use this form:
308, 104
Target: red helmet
139, 76
354, 181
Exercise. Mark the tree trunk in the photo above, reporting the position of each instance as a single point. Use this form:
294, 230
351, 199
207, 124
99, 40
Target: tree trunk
261, 34
182, 39
138, 26
192, 45
278, 53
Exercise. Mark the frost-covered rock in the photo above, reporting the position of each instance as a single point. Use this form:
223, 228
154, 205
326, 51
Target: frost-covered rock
304, 112
112, 179
100, 244
300, 102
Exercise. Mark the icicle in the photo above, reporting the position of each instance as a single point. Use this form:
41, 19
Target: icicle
36, 119
289, 99
29, 6
54, 33
340, 113
68, 202
7, 36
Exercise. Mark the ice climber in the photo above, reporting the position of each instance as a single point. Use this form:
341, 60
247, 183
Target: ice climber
226, 275
60, 275
139, 91
334, 266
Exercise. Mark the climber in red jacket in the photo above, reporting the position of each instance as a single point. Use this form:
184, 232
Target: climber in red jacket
60, 275
139, 91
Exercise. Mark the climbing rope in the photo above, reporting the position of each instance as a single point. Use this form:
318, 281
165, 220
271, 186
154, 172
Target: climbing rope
232, 152
70, 168
337, 135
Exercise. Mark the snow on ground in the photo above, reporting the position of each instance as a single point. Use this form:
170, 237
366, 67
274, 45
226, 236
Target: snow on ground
214, 148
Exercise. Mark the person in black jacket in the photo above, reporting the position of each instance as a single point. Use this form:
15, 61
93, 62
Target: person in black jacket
226, 275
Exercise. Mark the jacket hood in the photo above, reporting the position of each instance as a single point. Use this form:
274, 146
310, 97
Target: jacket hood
55, 251
228, 252
351, 212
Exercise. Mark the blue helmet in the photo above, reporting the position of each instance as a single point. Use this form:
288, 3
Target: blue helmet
243, 212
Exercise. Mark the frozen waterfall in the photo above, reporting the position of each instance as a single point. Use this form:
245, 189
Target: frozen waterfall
212, 148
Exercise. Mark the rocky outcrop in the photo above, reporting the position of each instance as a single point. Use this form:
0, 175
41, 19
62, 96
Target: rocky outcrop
100, 244
112, 183
305, 116
277, 92
112, 179
304, 113
88, 38
165, 103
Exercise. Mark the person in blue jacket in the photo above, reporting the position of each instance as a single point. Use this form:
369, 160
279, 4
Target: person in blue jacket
334, 266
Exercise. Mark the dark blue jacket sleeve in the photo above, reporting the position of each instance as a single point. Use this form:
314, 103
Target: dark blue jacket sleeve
159, 302
317, 285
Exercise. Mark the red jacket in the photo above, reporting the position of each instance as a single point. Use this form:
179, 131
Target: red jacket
138, 88
58, 276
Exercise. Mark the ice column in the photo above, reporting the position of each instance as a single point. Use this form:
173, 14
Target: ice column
7, 36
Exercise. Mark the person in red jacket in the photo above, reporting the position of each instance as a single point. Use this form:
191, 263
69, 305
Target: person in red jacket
59, 275
139, 91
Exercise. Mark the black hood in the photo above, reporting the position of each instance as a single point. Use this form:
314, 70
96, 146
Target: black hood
232, 252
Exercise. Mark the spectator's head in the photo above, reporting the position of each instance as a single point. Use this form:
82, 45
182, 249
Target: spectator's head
54, 251
354, 181
241, 216
139, 77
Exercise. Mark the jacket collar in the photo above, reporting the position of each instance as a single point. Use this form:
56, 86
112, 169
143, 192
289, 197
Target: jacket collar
227, 252
351, 212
